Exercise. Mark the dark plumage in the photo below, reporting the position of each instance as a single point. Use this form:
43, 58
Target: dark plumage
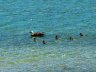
44, 42
56, 37
81, 34
71, 38
34, 39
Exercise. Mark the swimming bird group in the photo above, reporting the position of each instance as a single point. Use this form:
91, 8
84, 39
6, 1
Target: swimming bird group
41, 34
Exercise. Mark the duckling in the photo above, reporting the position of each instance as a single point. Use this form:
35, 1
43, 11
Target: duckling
71, 38
81, 34
34, 39
56, 37
44, 42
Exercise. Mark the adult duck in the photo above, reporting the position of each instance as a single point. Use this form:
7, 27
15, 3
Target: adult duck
37, 34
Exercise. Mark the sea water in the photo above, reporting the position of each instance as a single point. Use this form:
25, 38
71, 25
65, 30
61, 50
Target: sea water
66, 18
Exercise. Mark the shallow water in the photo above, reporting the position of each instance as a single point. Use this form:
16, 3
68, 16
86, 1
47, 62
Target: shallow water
18, 52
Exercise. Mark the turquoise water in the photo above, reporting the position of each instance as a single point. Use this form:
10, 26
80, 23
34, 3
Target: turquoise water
18, 52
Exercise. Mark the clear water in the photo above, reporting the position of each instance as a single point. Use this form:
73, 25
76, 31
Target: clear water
18, 52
